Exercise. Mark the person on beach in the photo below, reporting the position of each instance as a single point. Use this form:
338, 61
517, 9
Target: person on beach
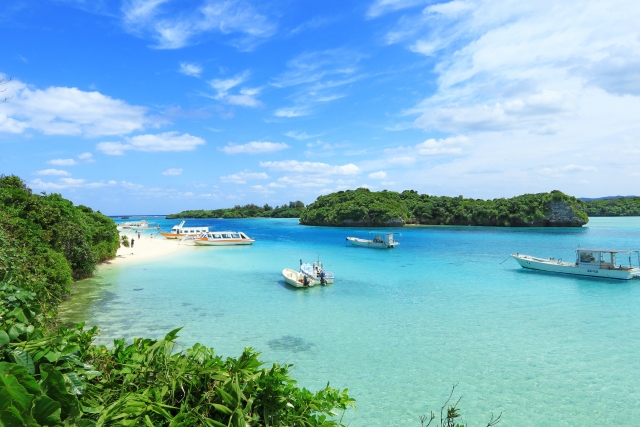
138, 235
132, 240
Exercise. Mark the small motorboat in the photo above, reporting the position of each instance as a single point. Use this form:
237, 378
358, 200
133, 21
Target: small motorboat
180, 231
607, 263
317, 272
223, 238
377, 240
138, 225
298, 279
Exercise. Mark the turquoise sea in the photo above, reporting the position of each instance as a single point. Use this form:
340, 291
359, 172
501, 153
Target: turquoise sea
399, 327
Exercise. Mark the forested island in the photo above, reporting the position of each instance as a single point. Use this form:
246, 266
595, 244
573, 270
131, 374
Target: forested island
617, 206
292, 210
365, 208
52, 374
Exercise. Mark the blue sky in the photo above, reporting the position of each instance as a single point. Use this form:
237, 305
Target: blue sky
154, 106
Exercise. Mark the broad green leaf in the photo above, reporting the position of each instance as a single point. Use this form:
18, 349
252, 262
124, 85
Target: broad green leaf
15, 393
53, 386
21, 374
75, 383
45, 411
4, 338
11, 417
237, 419
22, 358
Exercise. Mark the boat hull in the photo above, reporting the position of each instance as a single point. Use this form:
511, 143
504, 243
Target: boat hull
296, 279
220, 242
177, 236
370, 243
554, 266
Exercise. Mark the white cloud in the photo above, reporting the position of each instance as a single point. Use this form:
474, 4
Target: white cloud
167, 141
295, 166
380, 7
54, 172
378, 175
300, 135
172, 27
62, 162
68, 111
190, 69
243, 177
66, 184
86, 157
245, 97
567, 169
255, 147
173, 172
446, 146
451, 8
291, 112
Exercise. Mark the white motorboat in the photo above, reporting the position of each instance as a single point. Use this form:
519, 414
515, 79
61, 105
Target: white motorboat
223, 238
298, 279
378, 240
608, 263
138, 225
316, 272
180, 231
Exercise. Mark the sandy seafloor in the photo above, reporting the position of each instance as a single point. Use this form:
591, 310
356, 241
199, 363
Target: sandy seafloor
400, 326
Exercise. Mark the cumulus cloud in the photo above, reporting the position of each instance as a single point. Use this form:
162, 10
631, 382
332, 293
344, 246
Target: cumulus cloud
173, 172
66, 184
378, 175
62, 162
255, 147
295, 166
68, 111
86, 157
190, 69
167, 141
300, 135
54, 172
243, 177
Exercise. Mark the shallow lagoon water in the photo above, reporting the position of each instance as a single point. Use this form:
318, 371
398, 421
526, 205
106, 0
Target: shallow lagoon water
400, 326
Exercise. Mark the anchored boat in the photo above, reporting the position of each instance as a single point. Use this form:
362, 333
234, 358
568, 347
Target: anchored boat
138, 225
298, 279
317, 272
608, 263
180, 231
378, 240
223, 238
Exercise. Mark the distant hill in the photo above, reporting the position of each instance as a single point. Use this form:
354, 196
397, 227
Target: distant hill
589, 199
613, 206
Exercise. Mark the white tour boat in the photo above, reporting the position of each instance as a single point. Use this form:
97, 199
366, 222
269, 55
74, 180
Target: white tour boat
316, 272
223, 238
378, 240
180, 231
297, 279
138, 225
608, 263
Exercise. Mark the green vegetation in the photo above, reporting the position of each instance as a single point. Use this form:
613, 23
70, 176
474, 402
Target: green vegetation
292, 210
46, 241
52, 375
627, 206
387, 208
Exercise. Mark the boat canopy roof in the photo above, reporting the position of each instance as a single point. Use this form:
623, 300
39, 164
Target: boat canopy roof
613, 251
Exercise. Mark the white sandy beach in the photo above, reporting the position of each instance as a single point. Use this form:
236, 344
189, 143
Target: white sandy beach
148, 247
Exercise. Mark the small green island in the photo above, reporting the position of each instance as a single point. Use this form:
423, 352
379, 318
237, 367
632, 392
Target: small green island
615, 206
365, 208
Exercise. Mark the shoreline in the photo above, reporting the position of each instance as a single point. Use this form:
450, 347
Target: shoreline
148, 246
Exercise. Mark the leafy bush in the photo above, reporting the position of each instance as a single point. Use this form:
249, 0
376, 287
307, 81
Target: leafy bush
624, 206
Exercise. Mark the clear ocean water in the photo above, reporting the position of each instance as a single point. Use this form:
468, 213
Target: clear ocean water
400, 327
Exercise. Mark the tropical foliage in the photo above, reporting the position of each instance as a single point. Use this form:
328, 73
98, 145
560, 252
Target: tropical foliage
388, 208
292, 210
46, 241
624, 206
53, 375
